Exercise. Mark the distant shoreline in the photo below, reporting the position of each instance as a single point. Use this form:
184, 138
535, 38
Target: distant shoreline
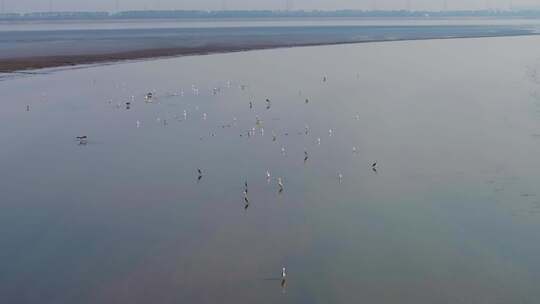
284, 13
24, 64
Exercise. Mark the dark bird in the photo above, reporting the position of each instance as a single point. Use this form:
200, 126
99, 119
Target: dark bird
246, 200
200, 174
374, 167
83, 140
280, 184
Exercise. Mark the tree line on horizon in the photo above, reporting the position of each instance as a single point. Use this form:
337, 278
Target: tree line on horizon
199, 14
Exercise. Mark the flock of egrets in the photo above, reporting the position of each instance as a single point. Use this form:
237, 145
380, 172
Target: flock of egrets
154, 97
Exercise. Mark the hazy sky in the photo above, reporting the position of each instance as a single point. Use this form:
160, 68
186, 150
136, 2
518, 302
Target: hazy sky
109, 5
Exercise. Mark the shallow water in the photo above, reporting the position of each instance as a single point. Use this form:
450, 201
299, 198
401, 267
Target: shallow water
450, 216
41, 39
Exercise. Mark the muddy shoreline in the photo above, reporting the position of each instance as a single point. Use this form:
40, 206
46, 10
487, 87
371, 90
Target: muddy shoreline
25, 64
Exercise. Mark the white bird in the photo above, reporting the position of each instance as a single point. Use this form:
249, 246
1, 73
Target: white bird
340, 177
283, 273
268, 176
204, 116
282, 150
319, 141
354, 149
138, 124
330, 132
280, 184
194, 89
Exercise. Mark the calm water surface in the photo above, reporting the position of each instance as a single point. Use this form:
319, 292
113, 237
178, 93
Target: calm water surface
451, 216
64, 38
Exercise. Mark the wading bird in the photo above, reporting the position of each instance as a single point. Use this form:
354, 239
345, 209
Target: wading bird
280, 184
283, 277
83, 140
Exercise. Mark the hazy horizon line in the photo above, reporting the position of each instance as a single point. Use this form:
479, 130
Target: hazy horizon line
112, 12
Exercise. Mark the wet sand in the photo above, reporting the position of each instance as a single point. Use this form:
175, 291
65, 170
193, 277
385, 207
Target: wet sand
29, 50
41, 62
